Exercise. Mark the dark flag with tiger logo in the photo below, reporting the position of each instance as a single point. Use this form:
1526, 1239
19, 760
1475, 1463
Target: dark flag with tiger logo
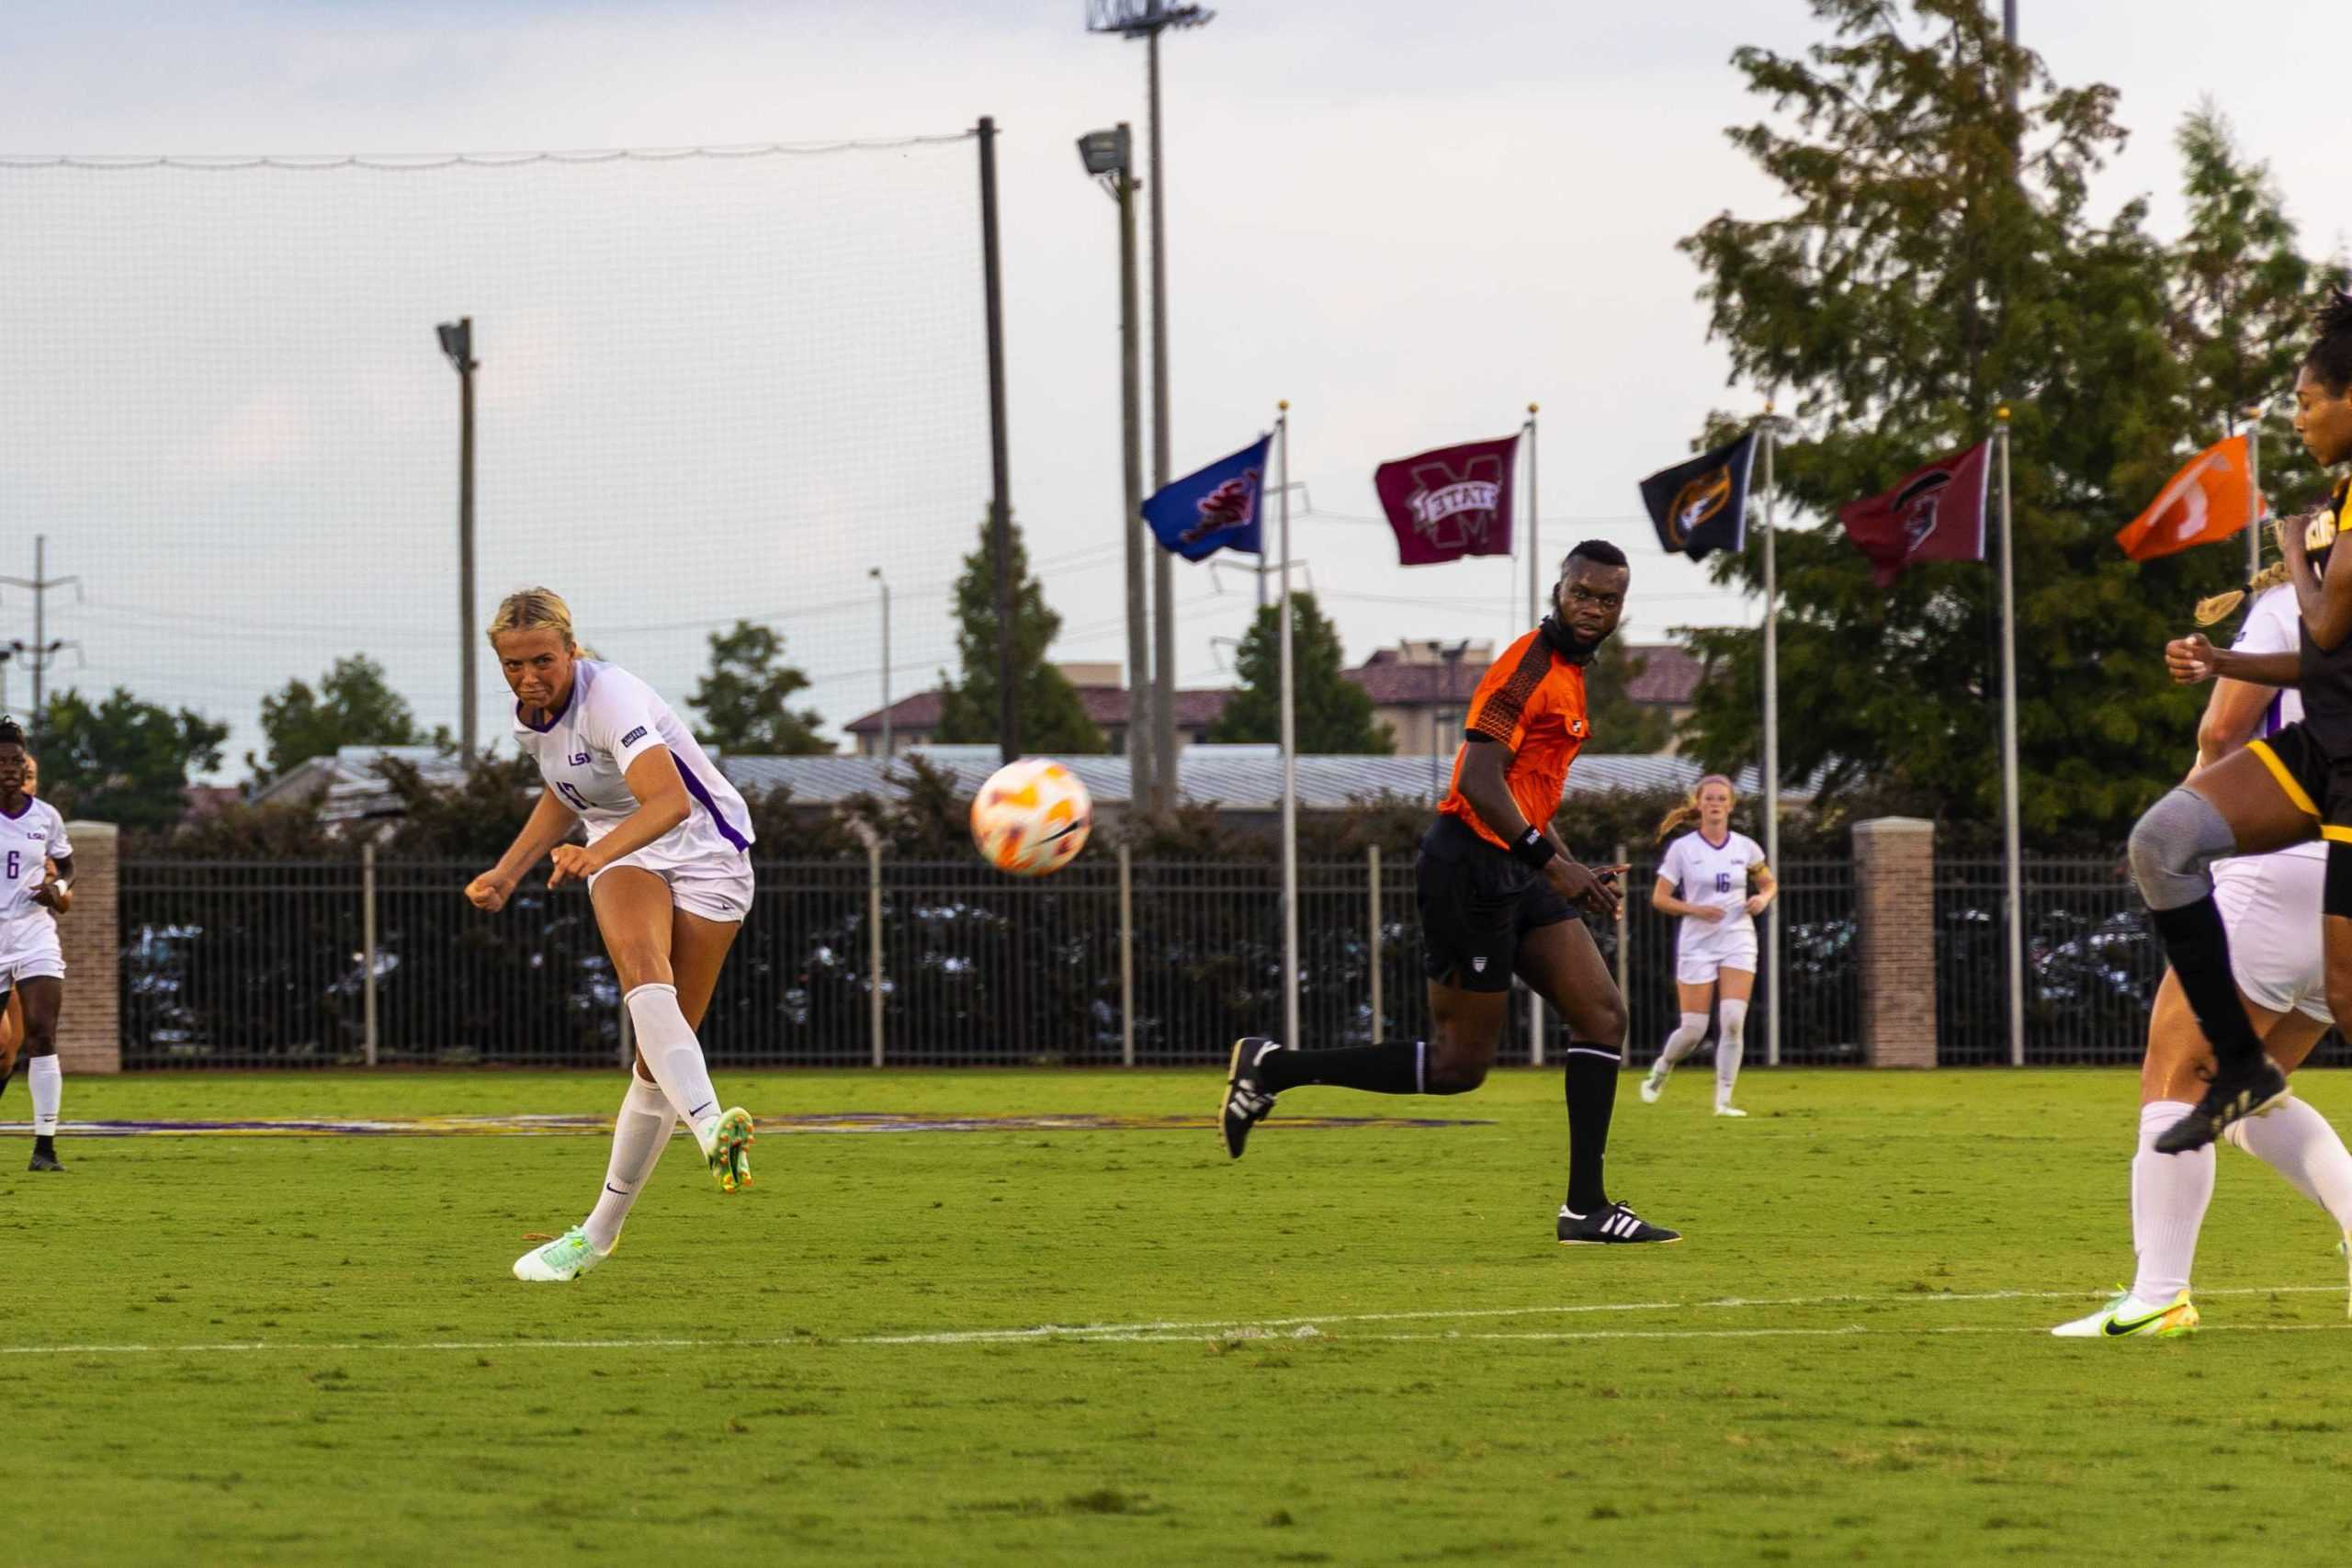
1702, 505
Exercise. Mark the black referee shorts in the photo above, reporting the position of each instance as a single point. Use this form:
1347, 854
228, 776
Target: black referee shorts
2321, 787
1478, 904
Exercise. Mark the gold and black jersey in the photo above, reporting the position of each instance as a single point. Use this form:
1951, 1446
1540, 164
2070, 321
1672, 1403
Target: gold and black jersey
2326, 677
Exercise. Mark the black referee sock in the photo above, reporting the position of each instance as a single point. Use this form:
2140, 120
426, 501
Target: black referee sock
1396, 1067
2198, 947
1591, 1075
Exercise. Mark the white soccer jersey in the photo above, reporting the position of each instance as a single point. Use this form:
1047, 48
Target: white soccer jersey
584, 751
27, 839
1713, 873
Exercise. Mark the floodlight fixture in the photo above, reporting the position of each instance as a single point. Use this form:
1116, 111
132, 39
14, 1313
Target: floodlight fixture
457, 342
1142, 18
1105, 152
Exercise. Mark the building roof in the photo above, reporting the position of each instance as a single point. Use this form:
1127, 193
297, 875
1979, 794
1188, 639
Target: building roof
1240, 778
1669, 677
350, 784
1106, 705
1670, 674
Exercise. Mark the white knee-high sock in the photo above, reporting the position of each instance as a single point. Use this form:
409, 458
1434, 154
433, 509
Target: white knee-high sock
2169, 1193
1730, 1046
674, 1056
1684, 1039
2297, 1141
640, 1133
47, 1080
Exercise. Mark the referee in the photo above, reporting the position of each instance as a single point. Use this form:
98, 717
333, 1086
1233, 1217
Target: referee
1498, 897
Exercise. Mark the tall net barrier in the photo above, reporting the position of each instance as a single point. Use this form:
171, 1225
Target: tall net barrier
713, 384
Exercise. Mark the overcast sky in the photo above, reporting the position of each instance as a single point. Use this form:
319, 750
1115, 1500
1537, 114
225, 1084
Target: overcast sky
1410, 221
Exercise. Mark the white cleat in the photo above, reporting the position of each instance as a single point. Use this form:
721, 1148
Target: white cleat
1729, 1111
2125, 1317
562, 1260
1654, 1084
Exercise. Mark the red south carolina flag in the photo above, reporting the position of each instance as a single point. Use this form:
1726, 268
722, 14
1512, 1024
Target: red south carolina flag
1936, 514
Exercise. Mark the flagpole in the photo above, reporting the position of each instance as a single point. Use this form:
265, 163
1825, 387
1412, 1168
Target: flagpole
1534, 556
1771, 753
2011, 854
1534, 616
1290, 749
2254, 482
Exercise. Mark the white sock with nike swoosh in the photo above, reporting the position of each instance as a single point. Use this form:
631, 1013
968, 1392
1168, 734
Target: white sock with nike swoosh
2169, 1194
640, 1133
674, 1055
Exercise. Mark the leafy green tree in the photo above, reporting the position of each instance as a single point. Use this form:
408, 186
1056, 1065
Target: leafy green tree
743, 699
1933, 256
1333, 715
2241, 299
1622, 727
352, 706
1052, 717
123, 760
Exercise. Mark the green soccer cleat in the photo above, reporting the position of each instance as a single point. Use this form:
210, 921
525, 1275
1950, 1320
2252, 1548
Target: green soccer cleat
565, 1258
2125, 1317
1654, 1082
724, 1140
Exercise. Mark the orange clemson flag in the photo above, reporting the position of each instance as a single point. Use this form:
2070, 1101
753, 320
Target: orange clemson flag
2210, 499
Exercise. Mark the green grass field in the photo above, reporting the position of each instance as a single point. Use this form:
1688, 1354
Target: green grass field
1360, 1344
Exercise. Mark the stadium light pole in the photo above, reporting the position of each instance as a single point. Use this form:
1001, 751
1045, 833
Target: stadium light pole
1008, 708
876, 573
1146, 19
1109, 156
457, 342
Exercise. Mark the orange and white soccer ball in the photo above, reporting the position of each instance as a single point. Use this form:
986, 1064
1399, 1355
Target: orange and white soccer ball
1032, 817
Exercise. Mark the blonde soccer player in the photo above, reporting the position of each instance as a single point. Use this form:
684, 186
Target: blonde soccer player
35, 886
2270, 907
1703, 881
668, 872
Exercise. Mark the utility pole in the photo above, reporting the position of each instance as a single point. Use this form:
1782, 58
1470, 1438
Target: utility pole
42, 649
1109, 156
1146, 19
1008, 706
457, 342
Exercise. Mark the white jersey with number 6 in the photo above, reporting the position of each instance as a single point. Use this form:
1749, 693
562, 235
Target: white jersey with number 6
28, 840
584, 752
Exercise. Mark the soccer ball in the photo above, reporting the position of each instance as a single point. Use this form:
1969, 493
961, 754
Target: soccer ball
1032, 817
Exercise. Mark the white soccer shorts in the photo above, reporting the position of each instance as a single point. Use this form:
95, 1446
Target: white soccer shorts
718, 888
1697, 962
2270, 906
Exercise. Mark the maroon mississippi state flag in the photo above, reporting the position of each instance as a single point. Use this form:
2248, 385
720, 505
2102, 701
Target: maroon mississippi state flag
1449, 503
1936, 513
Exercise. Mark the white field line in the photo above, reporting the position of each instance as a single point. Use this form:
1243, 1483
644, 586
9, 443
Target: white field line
1207, 1331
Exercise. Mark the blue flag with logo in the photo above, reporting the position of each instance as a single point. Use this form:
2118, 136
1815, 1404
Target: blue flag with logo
1217, 508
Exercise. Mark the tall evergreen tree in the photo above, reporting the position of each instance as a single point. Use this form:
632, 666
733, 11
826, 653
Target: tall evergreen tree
1333, 715
1935, 257
1053, 718
1622, 727
743, 698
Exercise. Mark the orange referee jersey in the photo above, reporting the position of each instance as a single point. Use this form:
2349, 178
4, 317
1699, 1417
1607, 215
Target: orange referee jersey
1531, 701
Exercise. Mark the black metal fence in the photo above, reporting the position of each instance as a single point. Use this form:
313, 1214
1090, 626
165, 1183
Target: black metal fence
244, 963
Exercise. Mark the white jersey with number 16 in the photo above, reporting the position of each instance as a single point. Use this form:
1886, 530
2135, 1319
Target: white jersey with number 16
584, 751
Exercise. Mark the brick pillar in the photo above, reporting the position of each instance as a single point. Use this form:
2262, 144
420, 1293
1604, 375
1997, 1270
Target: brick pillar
90, 1032
1894, 900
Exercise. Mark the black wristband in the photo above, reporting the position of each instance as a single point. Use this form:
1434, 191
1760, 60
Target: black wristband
1534, 849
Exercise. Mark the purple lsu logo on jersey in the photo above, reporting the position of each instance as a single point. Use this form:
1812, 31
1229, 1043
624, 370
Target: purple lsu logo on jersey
579, 759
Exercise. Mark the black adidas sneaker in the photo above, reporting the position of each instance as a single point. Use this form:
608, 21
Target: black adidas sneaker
2231, 1095
1615, 1226
1245, 1104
